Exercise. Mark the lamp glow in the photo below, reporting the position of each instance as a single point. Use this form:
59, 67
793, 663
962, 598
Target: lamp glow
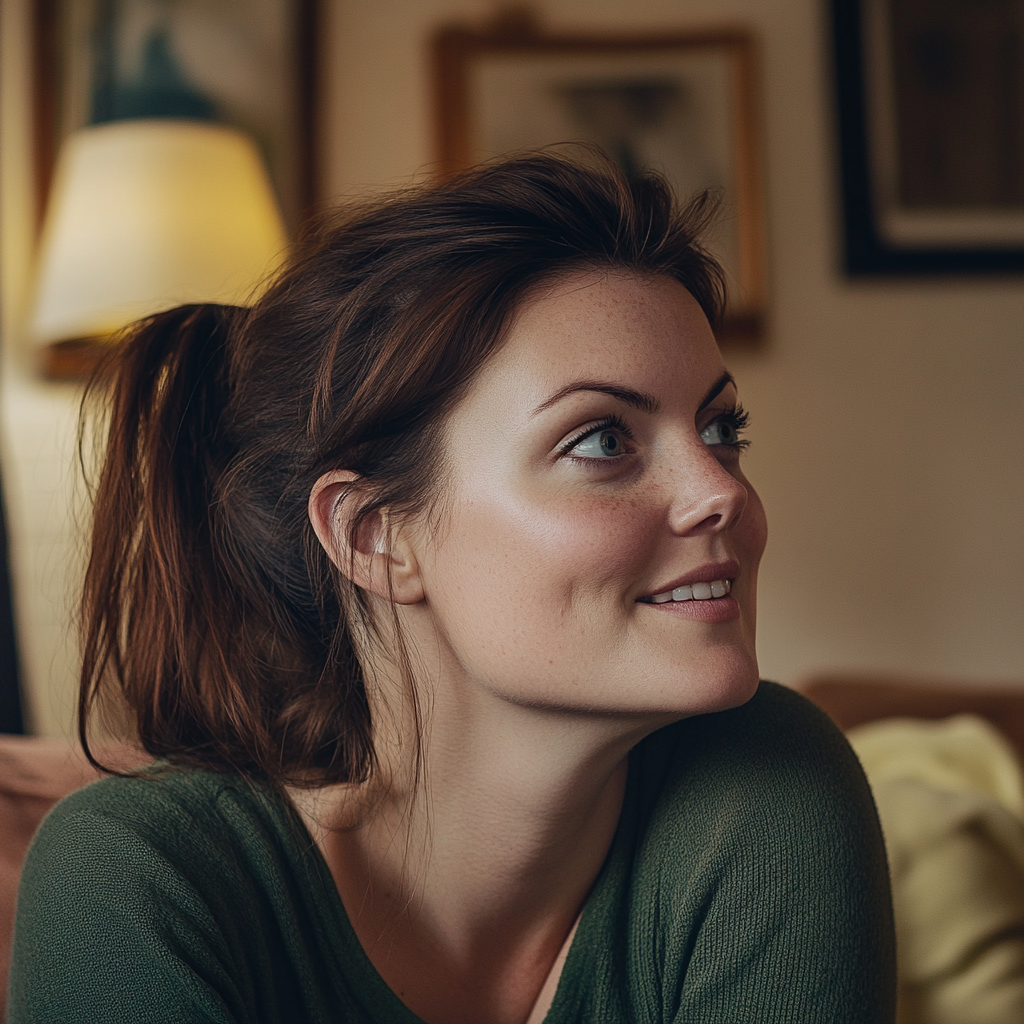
149, 214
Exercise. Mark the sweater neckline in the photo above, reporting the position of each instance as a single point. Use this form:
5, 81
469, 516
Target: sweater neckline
352, 968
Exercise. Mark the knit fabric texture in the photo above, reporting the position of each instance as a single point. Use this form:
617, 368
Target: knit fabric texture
746, 882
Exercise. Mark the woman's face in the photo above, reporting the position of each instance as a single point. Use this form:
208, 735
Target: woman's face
593, 472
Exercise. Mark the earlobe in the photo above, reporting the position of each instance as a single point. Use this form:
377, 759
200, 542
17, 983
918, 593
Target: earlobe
380, 560
406, 585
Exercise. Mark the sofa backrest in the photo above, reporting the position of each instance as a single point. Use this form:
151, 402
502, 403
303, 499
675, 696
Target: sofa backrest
856, 700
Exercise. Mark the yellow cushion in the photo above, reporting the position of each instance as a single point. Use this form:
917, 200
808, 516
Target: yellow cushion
950, 795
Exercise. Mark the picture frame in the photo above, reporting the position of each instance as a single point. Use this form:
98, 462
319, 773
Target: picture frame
681, 102
930, 105
253, 64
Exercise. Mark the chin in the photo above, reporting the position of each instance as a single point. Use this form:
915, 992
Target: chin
739, 690
727, 683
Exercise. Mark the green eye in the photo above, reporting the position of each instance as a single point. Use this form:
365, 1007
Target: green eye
727, 431
601, 444
720, 432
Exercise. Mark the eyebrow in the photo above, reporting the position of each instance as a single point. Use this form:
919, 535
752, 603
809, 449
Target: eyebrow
716, 389
637, 399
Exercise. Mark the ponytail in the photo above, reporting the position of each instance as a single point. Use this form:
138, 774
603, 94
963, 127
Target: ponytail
152, 577
198, 616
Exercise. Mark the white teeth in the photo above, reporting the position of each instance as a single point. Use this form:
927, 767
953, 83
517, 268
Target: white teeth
694, 592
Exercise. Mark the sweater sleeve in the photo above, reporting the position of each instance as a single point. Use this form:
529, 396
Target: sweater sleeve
778, 909
110, 928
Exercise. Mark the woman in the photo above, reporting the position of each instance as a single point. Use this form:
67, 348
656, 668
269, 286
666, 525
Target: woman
430, 582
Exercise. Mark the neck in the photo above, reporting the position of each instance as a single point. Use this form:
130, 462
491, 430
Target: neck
464, 887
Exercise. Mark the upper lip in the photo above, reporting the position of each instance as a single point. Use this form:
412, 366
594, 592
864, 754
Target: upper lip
707, 573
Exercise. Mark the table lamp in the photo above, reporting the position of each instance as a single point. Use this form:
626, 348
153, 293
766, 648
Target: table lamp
145, 215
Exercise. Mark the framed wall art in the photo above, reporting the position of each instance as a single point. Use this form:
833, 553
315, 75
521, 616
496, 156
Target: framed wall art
246, 63
681, 103
931, 132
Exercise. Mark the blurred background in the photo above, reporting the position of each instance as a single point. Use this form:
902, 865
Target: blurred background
887, 409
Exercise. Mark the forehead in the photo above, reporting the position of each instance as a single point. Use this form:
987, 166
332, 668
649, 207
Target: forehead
647, 333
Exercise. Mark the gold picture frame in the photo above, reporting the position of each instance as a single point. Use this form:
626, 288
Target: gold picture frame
683, 102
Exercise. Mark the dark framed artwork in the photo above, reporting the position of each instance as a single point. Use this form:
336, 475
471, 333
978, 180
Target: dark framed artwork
682, 103
931, 134
247, 63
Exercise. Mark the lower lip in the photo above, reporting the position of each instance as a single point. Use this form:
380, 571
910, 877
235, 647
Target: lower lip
716, 609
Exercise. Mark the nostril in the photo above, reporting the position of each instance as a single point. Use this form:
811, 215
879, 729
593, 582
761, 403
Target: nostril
709, 524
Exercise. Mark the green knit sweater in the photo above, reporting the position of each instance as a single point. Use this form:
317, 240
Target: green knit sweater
746, 883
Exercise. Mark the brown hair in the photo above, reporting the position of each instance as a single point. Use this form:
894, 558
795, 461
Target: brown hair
210, 612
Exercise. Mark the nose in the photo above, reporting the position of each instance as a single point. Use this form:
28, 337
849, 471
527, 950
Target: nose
707, 498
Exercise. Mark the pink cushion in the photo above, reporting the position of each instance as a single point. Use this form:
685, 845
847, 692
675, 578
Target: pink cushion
34, 774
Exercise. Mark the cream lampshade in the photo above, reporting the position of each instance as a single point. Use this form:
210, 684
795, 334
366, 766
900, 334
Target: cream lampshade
149, 214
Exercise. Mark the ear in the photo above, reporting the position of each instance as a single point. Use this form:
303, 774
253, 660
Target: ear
378, 551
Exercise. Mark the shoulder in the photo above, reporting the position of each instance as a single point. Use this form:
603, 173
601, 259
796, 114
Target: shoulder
153, 789
768, 778
758, 842
200, 837
170, 812
153, 884
133, 839
777, 746
767, 801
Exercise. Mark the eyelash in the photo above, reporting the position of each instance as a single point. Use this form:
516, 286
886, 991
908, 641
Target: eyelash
739, 419
609, 422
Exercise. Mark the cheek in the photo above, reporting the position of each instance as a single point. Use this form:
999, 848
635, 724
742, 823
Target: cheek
529, 565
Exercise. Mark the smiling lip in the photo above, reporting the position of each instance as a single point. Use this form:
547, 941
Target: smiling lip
709, 573
701, 595
715, 609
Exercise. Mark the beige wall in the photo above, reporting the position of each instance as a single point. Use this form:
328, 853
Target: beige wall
888, 416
